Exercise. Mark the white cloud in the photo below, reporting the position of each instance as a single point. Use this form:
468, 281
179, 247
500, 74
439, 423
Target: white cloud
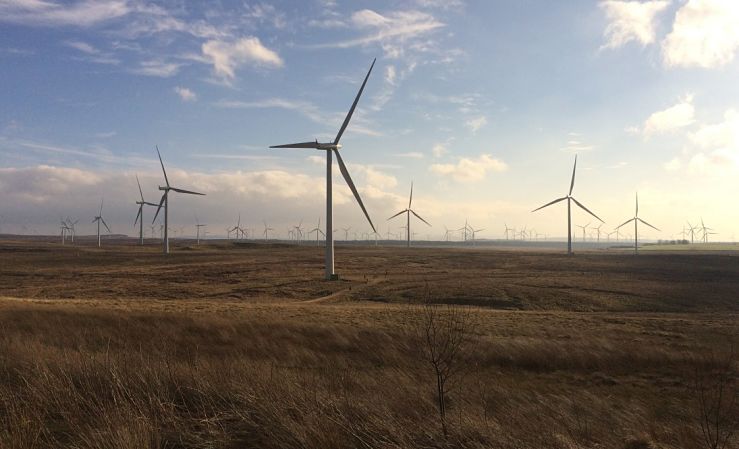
631, 21
158, 68
411, 155
390, 74
470, 170
306, 109
226, 57
84, 47
93, 54
185, 93
675, 117
391, 30
439, 150
82, 13
705, 34
713, 149
476, 123
576, 146
44, 182
673, 165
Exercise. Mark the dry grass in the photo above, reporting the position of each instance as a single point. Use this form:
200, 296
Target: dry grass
131, 371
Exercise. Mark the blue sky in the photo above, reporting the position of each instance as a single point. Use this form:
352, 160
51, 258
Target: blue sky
483, 104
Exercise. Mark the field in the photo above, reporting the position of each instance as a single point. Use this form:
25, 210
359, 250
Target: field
244, 345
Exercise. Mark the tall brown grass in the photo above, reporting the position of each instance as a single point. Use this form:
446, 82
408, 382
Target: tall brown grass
333, 377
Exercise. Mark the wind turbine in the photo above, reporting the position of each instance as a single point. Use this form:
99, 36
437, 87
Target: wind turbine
99, 219
266, 230
597, 230
474, 232
64, 229
165, 201
508, 229
569, 199
636, 221
692, 230
447, 231
332, 148
70, 225
236, 228
583, 230
346, 233
140, 214
705, 232
198, 226
408, 213
318, 232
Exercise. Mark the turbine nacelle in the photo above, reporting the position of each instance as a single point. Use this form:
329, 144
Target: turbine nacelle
328, 146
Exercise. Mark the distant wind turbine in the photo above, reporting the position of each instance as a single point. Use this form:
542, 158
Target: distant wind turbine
165, 202
332, 148
584, 228
408, 213
636, 221
318, 232
569, 199
199, 225
266, 230
140, 214
99, 219
64, 229
507, 229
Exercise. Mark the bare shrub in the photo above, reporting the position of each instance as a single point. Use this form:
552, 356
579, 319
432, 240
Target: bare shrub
717, 397
444, 331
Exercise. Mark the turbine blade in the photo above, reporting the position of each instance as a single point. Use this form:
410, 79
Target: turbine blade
419, 217
572, 183
101, 207
159, 207
313, 145
625, 222
648, 224
142, 193
106, 225
549, 204
162, 163
637, 205
348, 180
401, 212
351, 111
411, 197
151, 204
189, 192
586, 210
138, 215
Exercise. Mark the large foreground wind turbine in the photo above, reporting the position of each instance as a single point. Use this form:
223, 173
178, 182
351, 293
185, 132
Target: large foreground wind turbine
140, 214
332, 148
569, 199
636, 221
408, 213
165, 201
99, 219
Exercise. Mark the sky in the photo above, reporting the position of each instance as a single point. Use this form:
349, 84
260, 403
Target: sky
483, 105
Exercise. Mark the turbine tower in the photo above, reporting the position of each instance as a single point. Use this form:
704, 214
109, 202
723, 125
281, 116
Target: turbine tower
636, 221
99, 219
408, 213
140, 214
332, 148
165, 202
569, 199
198, 225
